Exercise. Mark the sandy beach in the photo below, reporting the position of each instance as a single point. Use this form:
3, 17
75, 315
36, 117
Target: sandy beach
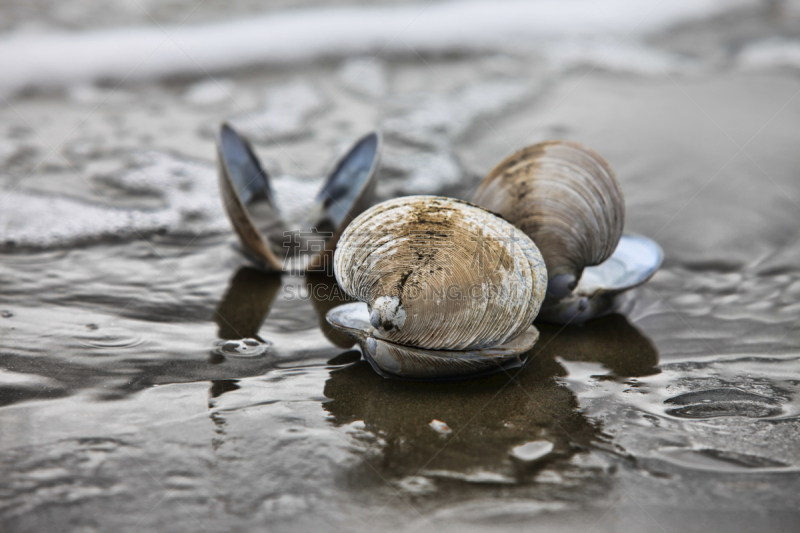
125, 407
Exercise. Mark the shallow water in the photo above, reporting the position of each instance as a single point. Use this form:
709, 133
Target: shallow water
152, 380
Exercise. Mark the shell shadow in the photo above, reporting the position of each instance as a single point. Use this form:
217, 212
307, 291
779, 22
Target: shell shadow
611, 341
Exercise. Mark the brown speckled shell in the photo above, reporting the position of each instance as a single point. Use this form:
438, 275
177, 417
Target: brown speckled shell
565, 197
462, 277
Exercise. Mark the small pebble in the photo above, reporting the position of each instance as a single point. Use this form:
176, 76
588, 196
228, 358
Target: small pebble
440, 427
532, 451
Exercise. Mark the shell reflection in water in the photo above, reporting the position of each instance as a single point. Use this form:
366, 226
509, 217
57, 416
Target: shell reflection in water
491, 419
567, 199
325, 295
447, 289
610, 340
242, 311
251, 206
247, 302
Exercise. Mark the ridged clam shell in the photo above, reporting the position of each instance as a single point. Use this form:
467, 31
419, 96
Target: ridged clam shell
566, 198
441, 274
407, 362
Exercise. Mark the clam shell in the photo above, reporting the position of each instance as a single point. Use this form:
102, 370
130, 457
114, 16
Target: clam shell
601, 289
245, 189
251, 207
348, 190
566, 198
406, 362
441, 274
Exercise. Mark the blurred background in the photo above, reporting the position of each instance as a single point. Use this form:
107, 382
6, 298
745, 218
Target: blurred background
690, 101
128, 403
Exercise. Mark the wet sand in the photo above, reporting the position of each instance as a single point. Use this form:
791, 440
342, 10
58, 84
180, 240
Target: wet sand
127, 404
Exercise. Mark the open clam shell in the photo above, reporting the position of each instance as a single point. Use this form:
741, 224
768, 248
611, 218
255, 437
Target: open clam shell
251, 206
407, 362
602, 288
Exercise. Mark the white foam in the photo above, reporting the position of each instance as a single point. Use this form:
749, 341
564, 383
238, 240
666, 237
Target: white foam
36, 220
88, 94
435, 120
424, 173
295, 197
283, 114
614, 56
365, 76
8, 149
187, 188
774, 52
209, 92
61, 58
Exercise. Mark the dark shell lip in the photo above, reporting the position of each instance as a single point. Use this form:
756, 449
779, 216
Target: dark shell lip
250, 204
396, 361
601, 289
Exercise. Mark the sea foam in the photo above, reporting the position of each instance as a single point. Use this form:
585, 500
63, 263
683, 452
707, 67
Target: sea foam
62, 58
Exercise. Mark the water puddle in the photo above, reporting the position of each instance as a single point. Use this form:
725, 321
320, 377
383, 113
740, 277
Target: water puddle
723, 402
